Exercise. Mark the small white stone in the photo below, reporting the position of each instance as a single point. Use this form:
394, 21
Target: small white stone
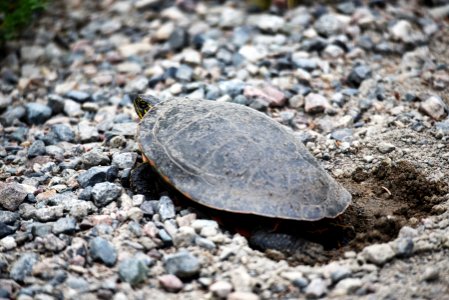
378, 253
8, 243
221, 289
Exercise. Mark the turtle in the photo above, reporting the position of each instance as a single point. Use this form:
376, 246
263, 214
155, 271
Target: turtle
232, 158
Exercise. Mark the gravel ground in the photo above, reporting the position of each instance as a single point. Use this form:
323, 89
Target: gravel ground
363, 85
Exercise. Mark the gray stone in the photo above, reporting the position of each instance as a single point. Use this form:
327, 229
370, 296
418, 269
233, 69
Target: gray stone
105, 192
178, 39
166, 208
31, 53
63, 132
95, 157
184, 73
53, 244
78, 96
307, 64
12, 195
40, 229
5, 230
55, 151
37, 113
182, 264
65, 225
242, 296
72, 108
77, 283
87, 133
328, 25
133, 271
430, 274
23, 266
51, 213
348, 286
204, 243
12, 114
124, 160
358, 75
316, 288
102, 251
378, 253
403, 247
139, 84
95, 175
37, 148
8, 217
385, 148
268, 23
231, 17
56, 103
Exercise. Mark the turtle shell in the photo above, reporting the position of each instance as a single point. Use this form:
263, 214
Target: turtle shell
233, 158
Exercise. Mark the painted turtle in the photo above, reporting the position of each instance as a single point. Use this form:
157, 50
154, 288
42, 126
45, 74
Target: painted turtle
232, 158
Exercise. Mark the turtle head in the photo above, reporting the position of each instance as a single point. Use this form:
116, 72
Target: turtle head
144, 103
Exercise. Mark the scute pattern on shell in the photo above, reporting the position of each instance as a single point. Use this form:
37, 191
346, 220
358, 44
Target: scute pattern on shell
233, 158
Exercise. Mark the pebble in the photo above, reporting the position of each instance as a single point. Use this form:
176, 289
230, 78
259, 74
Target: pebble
242, 296
178, 39
182, 264
184, 73
402, 30
434, 107
132, 270
124, 160
51, 213
328, 25
63, 132
7, 243
385, 147
378, 254
8, 217
65, 225
430, 274
87, 133
95, 175
358, 75
5, 230
104, 193
269, 95
166, 208
316, 288
22, 267
102, 251
95, 157
37, 148
12, 195
221, 289
347, 286
79, 96
268, 23
72, 108
315, 103
170, 283
37, 113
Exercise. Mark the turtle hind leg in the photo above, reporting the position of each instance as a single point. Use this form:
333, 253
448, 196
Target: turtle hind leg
302, 250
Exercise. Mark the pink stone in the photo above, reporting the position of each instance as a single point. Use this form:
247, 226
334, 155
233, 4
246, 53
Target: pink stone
271, 95
170, 283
